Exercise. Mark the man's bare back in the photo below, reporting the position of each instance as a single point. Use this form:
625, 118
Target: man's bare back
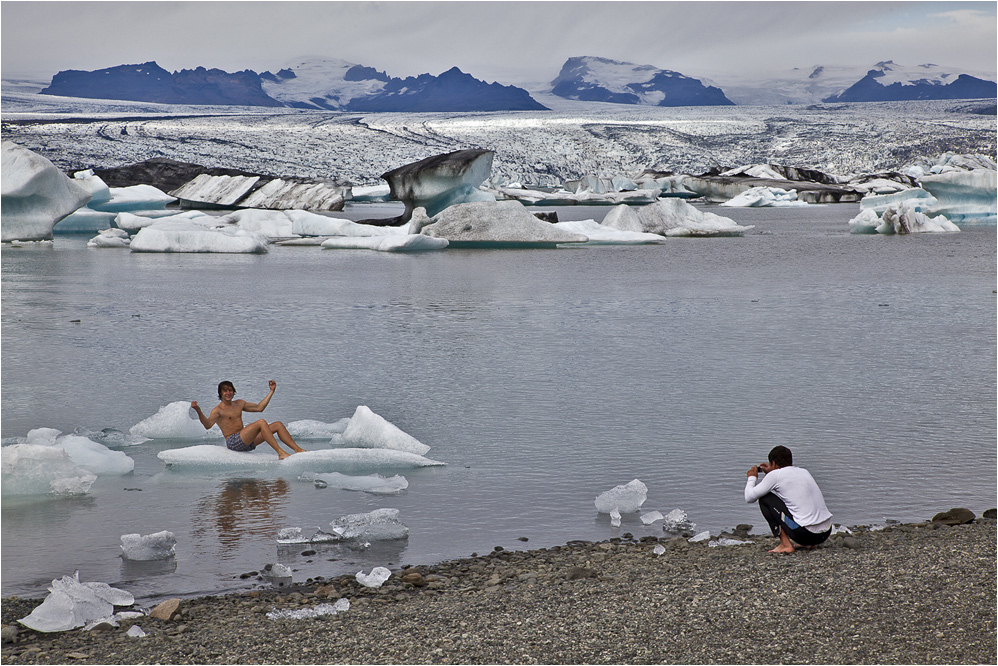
238, 437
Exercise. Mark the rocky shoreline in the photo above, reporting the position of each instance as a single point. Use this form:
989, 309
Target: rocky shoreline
911, 593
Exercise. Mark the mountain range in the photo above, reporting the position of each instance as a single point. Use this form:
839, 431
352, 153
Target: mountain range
337, 85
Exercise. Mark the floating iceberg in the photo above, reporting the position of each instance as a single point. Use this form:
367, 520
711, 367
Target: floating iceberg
672, 217
189, 236
899, 219
377, 193
441, 181
601, 235
309, 429
493, 224
174, 421
157, 546
209, 456
915, 197
626, 498
967, 197
376, 578
309, 613
34, 194
109, 203
305, 223
378, 525
368, 430
270, 223
134, 221
371, 483
110, 238
72, 604
769, 197
394, 243
111, 437
85, 453
677, 520
651, 517
294, 535
30, 469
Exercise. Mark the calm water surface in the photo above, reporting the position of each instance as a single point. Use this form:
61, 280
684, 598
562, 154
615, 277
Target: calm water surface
541, 377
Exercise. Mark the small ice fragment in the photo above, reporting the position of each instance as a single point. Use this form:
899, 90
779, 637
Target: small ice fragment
136, 631
289, 534
615, 518
110, 621
376, 578
280, 571
626, 498
157, 546
677, 520
659, 549
702, 536
380, 524
307, 613
651, 517
841, 529
725, 541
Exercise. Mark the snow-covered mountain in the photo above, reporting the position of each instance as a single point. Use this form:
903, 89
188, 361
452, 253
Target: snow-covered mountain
592, 79
890, 82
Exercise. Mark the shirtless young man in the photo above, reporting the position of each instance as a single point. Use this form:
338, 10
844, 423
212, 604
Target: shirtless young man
228, 416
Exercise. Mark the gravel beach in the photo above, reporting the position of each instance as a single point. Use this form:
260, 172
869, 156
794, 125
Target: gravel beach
913, 593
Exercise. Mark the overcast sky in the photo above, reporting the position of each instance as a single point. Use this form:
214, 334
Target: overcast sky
510, 42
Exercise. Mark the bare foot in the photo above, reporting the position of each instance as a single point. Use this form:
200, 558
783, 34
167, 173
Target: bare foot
780, 550
282, 455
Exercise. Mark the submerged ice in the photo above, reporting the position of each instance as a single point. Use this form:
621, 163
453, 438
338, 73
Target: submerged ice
374, 484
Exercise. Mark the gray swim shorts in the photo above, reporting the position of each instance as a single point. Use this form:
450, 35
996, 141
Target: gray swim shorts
235, 443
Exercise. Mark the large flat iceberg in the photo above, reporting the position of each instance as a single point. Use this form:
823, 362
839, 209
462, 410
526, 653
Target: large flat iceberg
210, 456
493, 224
190, 236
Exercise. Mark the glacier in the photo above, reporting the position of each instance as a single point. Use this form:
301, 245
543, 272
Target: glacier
34, 194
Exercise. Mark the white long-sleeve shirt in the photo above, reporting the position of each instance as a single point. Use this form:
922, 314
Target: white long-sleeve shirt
796, 487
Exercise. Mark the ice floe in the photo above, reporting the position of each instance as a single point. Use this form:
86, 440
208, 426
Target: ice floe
210, 456
900, 218
34, 469
365, 429
107, 204
603, 235
110, 238
190, 236
626, 498
377, 525
393, 243
34, 194
493, 224
72, 604
306, 223
369, 483
85, 453
148, 547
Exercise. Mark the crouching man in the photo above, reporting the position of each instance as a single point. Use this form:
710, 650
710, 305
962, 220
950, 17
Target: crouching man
790, 501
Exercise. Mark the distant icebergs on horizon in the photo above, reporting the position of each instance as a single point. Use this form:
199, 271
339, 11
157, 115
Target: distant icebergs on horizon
765, 197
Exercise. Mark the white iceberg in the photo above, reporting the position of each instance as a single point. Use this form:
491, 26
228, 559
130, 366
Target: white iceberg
969, 197
176, 420
369, 430
110, 238
34, 194
900, 218
374, 484
31, 469
270, 223
210, 456
100, 212
311, 429
376, 578
395, 243
672, 217
85, 453
189, 236
376, 193
440, 181
626, 498
378, 525
134, 221
915, 197
493, 224
148, 547
602, 235
305, 223
765, 197
72, 604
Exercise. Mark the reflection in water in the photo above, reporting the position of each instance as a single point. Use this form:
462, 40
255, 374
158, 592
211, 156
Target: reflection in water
242, 507
132, 570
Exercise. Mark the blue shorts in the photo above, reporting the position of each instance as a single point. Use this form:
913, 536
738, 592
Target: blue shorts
235, 443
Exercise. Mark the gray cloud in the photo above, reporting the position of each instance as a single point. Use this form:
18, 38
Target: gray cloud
512, 42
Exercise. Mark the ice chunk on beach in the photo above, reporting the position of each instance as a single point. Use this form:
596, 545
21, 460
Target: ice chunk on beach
309, 429
701, 536
85, 453
659, 549
30, 469
394, 243
765, 197
677, 520
156, 546
189, 236
376, 578
378, 525
497, 224
371, 483
211, 456
110, 238
34, 194
725, 541
135, 631
176, 420
72, 604
369, 430
626, 498
603, 235
340, 606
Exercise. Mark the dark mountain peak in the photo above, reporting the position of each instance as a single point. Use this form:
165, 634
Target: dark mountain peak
361, 73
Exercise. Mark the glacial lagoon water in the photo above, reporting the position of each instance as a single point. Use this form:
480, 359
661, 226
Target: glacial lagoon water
541, 377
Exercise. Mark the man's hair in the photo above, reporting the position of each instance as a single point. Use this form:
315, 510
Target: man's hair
782, 456
225, 384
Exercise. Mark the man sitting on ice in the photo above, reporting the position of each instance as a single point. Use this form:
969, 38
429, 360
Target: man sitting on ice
228, 416
790, 500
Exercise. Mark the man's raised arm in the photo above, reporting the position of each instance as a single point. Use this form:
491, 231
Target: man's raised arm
206, 421
262, 405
